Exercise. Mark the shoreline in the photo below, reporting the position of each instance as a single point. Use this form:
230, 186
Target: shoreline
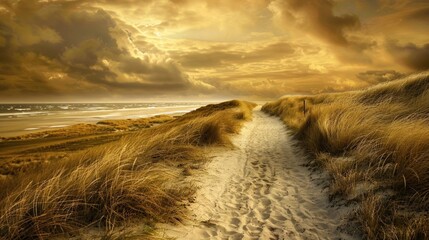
17, 126
135, 170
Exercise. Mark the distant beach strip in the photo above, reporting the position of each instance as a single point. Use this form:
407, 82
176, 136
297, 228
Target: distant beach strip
17, 119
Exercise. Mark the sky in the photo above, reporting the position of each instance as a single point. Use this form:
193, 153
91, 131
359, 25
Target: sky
191, 50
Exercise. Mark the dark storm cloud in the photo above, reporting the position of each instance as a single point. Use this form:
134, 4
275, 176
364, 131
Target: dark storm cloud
413, 56
162, 72
81, 45
408, 22
215, 58
317, 18
127, 48
378, 76
419, 14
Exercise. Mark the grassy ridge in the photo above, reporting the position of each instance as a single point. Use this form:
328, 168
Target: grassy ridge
142, 176
375, 145
22, 153
102, 127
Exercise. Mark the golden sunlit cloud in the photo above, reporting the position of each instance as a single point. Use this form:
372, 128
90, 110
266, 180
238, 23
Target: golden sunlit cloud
188, 49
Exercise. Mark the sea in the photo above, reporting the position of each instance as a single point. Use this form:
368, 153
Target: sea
18, 119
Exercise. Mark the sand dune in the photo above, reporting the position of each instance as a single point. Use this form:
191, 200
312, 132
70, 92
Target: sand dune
260, 190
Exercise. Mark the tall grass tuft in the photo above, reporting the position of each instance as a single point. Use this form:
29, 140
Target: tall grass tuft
375, 145
136, 178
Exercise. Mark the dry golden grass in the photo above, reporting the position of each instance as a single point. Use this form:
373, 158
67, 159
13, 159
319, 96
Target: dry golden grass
23, 153
375, 145
102, 127
142, 176
135, 124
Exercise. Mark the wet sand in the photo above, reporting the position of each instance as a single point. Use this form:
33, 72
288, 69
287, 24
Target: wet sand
29, 122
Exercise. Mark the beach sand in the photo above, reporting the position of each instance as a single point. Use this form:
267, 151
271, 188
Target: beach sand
23, 123
260, 190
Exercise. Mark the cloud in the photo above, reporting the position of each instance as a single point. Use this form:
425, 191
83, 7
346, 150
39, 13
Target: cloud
85, 45
378, 76
132, 49
402, 22
162, 73
317, 18
412, 56
215, 57
340, 33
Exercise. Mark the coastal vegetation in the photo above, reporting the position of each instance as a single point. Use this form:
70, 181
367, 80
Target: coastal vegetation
374, 144
141, 176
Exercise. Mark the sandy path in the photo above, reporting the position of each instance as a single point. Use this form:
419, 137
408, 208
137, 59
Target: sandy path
260, 190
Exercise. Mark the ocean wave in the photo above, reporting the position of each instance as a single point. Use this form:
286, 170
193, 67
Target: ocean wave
21, 113
59, 126
31, 129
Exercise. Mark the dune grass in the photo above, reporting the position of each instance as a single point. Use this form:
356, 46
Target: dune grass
140, 177
102, 127
374, 144
22, 153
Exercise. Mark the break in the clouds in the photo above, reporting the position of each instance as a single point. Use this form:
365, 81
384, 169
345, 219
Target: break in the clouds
196, 49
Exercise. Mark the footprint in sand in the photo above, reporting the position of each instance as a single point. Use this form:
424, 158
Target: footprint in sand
264, 192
